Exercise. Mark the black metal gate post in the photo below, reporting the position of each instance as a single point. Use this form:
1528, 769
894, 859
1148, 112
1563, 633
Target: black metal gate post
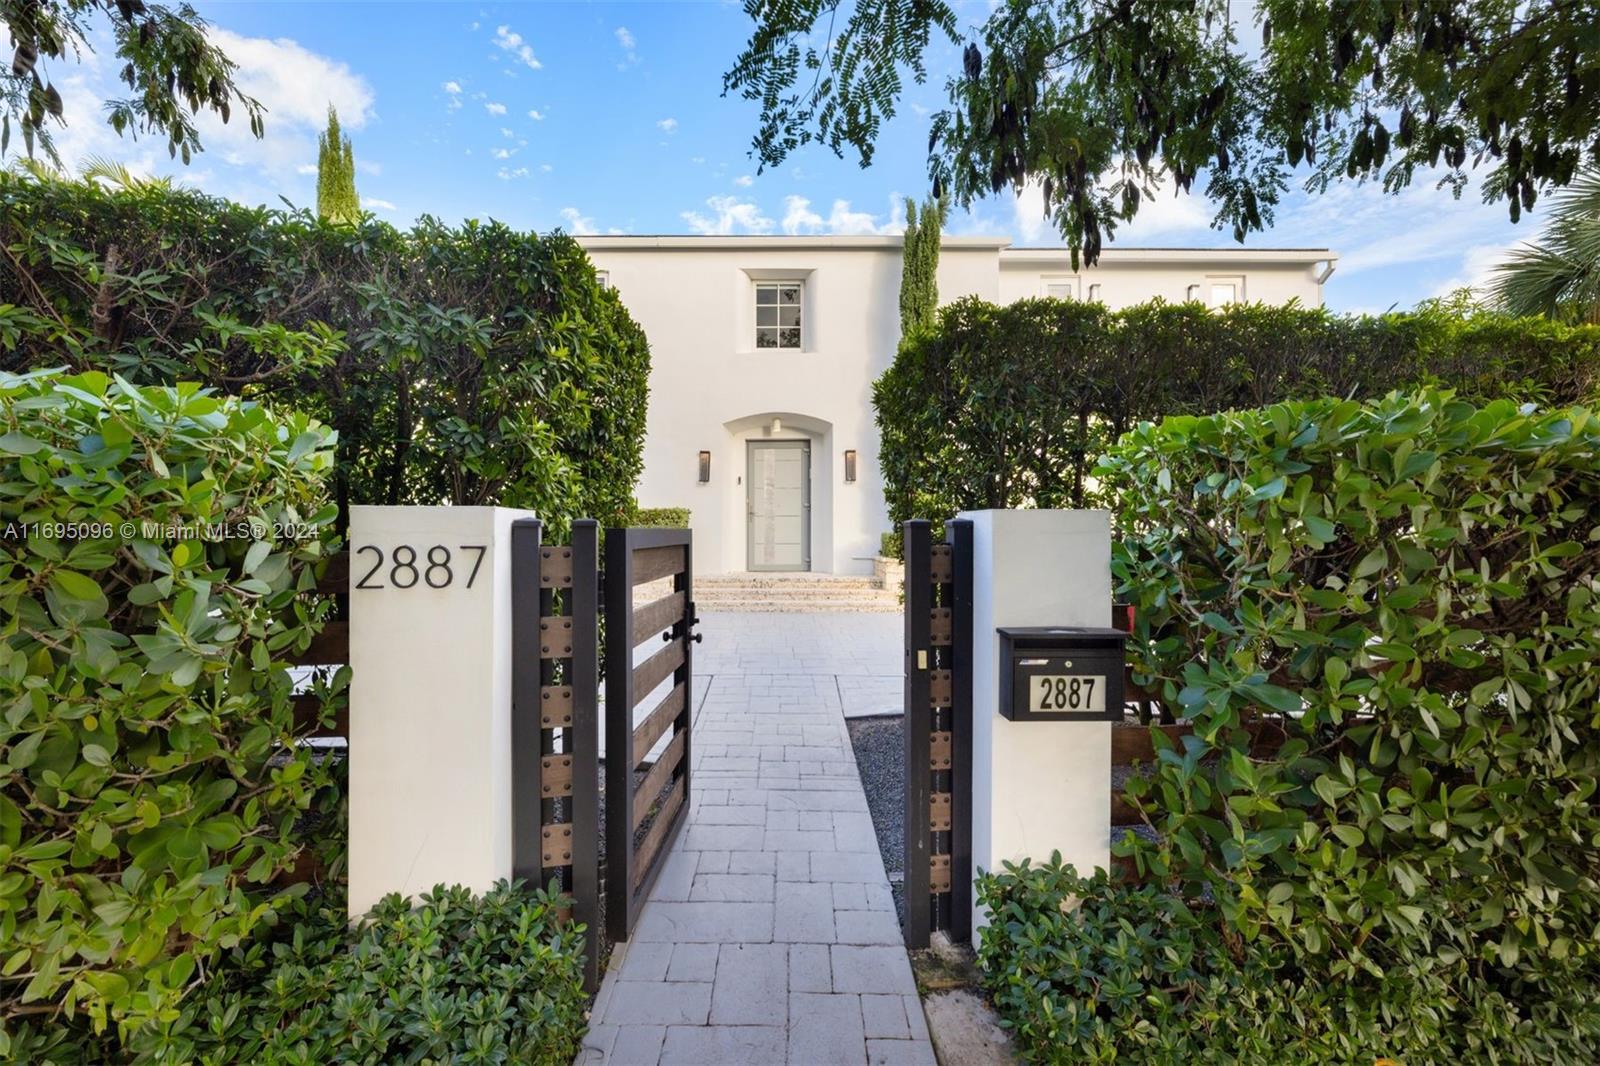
919, 652
555, 781
938, 732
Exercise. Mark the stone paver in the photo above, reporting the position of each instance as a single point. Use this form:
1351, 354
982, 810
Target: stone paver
770, 936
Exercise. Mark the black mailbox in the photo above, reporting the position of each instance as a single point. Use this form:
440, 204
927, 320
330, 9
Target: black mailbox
1061, 673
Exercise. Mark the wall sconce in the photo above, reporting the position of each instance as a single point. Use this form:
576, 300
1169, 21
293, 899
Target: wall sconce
705, 467
850, 464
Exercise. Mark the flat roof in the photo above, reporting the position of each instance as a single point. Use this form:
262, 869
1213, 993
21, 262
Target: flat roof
884, 242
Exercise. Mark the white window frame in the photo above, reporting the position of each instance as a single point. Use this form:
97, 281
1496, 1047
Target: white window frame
778, 327
1213, 281
1094, 293
603, 277
1071, 282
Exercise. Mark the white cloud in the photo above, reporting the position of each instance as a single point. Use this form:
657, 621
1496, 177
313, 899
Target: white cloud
546, 167
503, 153
697, 160
670, 125
511, 42
729, 215
507, 133
374, 202
506, 173
536, 115
577, 224
1167, 213
452, 87
798, 218
744, 181
306, 168
1477, 269
296, 84
629, 45
495, 109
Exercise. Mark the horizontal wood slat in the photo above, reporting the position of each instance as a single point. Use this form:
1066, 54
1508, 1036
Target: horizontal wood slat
646, 791
652, 564
336, 578
331, 647
657, 616
1133, 743
644, 858
555, 568
656, 669
938, 873
649, 731
555, 776
939, 812
555, 845
941, 564
308, 715
555, 706
939, 750
941, 624
555, 637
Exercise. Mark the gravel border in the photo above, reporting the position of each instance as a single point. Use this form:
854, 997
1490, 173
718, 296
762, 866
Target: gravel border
880, 747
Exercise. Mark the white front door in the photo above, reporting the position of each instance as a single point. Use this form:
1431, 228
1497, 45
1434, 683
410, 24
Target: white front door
778, 494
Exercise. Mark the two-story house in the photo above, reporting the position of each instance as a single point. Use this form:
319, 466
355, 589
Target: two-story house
764, 350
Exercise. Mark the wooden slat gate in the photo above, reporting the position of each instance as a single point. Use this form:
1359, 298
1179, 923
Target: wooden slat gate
644, 814
555, 800
938, 732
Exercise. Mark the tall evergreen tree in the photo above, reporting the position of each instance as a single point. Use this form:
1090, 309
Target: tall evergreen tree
336, 175
919, 264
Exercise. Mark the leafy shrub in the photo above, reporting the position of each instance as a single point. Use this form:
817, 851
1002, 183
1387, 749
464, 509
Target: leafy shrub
661, 518
148, 783
1086, 971
470, 364
1010, 406
457, 979
892, 545
1409, 590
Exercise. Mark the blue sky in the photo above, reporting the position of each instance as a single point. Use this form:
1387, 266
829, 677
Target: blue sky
600, 117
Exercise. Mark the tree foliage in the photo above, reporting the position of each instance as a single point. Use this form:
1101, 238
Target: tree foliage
1099, 100
336, 175
156, 570
1010, 406
919, 264
466, 364
171, 69
1558, 276
1407, 592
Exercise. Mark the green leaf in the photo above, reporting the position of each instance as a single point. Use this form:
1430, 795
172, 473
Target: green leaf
21, 444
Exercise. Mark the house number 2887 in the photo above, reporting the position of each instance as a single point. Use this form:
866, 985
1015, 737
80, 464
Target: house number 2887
405, 566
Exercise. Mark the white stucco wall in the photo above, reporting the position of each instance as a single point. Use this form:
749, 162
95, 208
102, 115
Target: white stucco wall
712, 390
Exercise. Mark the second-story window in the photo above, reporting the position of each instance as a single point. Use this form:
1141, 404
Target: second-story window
778, 306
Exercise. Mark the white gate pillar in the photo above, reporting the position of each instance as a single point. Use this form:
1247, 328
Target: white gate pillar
1037, 787
430, 699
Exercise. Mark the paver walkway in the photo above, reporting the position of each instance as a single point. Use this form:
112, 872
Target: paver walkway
770, 936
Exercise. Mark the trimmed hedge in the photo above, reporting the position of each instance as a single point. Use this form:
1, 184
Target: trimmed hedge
1010, 406
149, 788
463, 364
661, 518
1410, 590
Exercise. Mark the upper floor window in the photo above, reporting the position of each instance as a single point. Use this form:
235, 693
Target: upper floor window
1225, 291
778, 305
603, 277
1061, 288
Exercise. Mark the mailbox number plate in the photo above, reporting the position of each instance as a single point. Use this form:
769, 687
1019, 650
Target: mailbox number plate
1055, 693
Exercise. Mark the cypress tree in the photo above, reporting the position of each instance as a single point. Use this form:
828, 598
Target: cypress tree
336, 175
919, 263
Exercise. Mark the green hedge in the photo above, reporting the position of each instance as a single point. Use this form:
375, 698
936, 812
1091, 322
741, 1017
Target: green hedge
661, 517
463, 364
148, 792
455, 979
1010, 406
1410, 591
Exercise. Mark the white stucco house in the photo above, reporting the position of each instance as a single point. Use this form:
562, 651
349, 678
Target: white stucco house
764, 350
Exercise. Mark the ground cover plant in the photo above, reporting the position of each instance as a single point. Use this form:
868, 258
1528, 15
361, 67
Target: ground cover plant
158, 549
1409, 590
1011, 406
467, 364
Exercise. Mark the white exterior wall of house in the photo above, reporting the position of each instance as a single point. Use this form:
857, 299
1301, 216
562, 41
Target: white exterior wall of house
713, 390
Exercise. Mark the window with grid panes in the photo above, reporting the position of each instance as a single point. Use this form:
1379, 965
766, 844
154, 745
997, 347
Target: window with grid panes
778, 314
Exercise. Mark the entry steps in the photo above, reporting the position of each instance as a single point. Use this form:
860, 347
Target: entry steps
798, 593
